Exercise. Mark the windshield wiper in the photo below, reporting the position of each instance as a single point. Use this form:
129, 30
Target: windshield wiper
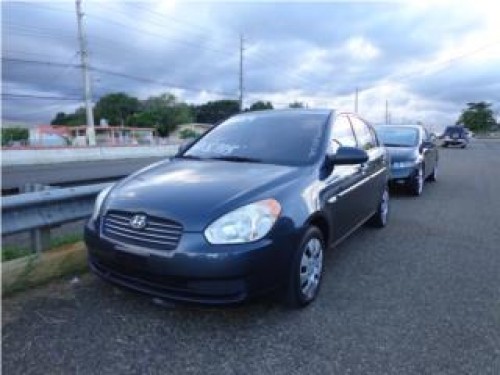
241, 159
394, 145
192, 157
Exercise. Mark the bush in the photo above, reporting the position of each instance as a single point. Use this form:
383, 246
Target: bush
15, 134
187, 133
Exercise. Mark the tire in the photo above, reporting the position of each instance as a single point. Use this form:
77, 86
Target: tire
433, 176
417, 182
463, 146
445, 145
306, 270
379, 219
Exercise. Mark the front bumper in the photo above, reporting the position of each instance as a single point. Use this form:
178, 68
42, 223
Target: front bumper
195, 271
455, 141
402, 175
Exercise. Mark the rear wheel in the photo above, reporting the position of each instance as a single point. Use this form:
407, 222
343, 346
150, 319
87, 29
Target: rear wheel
417, 182
379, 219
307, 269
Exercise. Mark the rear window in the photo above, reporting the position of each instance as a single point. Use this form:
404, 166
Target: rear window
454, 130
397, 136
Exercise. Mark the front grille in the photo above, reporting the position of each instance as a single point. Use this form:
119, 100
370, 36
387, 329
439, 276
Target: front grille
159, 233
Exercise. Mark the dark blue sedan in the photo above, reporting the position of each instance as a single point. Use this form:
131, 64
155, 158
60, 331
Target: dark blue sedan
414, 155
250, 207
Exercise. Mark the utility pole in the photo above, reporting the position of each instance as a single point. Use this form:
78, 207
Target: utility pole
356, 101
242, 48
85, 73
387, 121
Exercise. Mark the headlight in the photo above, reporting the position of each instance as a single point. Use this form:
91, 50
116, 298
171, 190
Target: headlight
245, 224
404, 164
98, 202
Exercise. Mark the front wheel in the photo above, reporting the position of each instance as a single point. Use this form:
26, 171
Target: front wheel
307, 269
417, 182
379, 219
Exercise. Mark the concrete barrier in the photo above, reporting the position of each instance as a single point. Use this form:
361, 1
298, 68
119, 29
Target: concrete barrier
53, 155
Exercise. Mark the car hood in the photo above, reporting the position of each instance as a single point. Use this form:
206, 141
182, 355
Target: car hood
398, 154
196, 192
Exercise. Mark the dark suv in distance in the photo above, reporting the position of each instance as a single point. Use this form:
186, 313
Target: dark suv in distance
248, 208
455, 136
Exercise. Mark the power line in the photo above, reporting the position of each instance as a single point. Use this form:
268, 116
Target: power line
33, 96
423, 70
160, 18
131, 26
163, 37
119, 74
177, 20
37, 5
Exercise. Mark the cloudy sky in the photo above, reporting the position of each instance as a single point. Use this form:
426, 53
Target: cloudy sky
426, 58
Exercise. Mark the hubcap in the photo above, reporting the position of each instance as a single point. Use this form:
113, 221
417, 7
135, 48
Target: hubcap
311, 266
384, 206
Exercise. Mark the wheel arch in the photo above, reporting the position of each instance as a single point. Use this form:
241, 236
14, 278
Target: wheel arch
320, 221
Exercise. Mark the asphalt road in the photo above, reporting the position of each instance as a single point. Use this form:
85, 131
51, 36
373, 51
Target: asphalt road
419, 297
73, 172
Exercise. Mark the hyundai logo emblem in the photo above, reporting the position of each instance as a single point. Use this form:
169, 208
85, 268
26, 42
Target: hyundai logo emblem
138, 221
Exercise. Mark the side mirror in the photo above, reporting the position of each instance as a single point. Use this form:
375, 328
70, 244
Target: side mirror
348, 156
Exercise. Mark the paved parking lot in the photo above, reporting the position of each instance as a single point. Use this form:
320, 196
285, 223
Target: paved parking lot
419, 297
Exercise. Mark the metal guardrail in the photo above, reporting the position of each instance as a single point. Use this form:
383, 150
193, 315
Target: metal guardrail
39, 211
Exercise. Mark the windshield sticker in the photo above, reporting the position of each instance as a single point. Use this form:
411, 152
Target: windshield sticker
315, 145
218, 148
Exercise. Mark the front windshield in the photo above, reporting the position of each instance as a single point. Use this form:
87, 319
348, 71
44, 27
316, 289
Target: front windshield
276, 138
398, 136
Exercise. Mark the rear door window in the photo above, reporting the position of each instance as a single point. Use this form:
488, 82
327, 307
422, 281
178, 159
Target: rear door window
366, 140
342, 134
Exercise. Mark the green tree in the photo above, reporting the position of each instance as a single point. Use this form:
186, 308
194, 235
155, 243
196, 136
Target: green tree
116, 108
13, 134
79, 117
216, 111
296, 105
260, 105
164, 112
477, 117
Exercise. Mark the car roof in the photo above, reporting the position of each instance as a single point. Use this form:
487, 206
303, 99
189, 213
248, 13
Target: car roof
412, 126
317, 111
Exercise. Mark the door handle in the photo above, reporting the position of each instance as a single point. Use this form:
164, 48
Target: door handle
363, 168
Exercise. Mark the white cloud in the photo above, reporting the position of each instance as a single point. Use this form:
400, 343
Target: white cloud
361, 49
315, 53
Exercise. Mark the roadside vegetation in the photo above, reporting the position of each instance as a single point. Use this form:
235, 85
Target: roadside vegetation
11, 252
478, 117
163, 112
14, 134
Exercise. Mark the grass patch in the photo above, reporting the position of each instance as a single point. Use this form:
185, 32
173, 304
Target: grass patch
10, 252
38, 269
